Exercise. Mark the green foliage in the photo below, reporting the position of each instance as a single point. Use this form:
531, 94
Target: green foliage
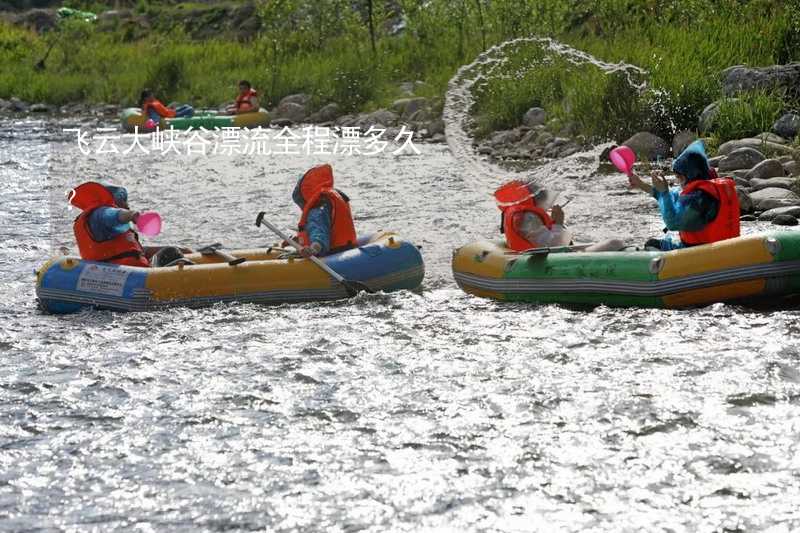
747, 115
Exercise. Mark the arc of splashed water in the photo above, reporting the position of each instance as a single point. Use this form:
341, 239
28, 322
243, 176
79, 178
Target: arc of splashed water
480, 173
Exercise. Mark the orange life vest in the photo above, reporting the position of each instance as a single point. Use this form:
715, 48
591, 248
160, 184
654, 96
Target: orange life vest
124, 249
726, 224
160, 108
243, 99
315, 185
514, 198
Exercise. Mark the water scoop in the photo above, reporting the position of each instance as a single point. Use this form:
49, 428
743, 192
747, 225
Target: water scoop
623, 158
148, 223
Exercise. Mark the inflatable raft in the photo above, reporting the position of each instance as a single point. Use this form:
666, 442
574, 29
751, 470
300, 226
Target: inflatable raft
752, 269
383, 262
133, 117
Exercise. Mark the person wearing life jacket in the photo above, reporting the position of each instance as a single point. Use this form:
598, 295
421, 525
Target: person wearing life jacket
704, 209
103, 229
154, 110
526, 223
246, 101
326, 223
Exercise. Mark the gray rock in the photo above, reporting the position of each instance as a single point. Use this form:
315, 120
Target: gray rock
741, 182
327, 113
281, 122
381, 117
714, 161
792, 168
647, 145
299, 99
347, 121
768, 148
17, 105
405, 107
709, 115
788, 126
505, 137
740, 78
421, 115
40, 108
681, 140
772, 213
741, 158
290, 111
771, 137
435, 127
784, 220
782, 183
745, 201
535, 116
748, 218
769, 168
773, 197
741, 173
438, 138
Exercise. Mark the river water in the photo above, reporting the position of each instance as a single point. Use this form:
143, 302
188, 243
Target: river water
430, 411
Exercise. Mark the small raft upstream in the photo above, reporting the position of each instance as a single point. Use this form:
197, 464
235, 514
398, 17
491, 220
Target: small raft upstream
383, 262
132, 117
755, 269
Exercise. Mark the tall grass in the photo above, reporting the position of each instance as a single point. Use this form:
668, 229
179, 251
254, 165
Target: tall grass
323, 48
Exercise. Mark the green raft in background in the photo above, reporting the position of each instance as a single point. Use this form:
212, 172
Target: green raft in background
132, 117
754, 269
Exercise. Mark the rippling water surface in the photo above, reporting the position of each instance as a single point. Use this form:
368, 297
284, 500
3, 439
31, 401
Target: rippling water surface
403, 412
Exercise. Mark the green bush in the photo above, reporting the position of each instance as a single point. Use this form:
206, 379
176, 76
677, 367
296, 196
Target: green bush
747, 115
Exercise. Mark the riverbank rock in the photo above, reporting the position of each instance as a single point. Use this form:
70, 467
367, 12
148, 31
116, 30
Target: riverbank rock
647, 145
504, 137
782, 183
681, 140
769, 168
741, 158
17, 106
293, 107
769, 215
380, 118
405, 107
40, 108
709, 115
792, 168
765, 147
773, 197
784, 220
745, 201
327, 113
788, 126
740, 78
535, 116
38, 20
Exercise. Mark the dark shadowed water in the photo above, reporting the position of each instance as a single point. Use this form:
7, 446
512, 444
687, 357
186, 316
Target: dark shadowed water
405, 412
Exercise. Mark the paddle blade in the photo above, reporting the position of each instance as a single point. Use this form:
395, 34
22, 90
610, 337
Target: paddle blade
623, 158
149, 223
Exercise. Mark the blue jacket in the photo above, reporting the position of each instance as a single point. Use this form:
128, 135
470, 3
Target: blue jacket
104, 224
684, 212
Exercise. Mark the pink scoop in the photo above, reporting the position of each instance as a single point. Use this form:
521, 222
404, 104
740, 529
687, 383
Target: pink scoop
149, 223
623, 158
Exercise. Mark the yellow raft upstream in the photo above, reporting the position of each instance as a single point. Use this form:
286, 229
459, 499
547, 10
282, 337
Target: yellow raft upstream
753, 269
132, 118
382, 262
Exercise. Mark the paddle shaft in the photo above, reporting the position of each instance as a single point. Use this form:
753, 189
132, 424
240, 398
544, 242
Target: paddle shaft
299, 247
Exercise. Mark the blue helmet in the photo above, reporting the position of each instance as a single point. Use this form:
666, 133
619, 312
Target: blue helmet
693, 162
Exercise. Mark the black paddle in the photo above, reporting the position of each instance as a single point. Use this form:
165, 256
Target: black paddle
352, 287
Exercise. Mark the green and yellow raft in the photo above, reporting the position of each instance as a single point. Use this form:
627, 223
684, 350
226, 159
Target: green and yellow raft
132, 117
755, 269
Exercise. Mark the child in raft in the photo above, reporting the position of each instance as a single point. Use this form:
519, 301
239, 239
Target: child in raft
246, 101
704, 209
526, 223
154, 110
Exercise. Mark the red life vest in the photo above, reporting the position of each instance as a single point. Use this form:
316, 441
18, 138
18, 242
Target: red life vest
315, 185
124, 249
243, 99
514, 198
160, 108
726, 224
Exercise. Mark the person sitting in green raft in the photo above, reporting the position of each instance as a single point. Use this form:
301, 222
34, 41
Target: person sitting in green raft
154, 110
246, 101
704, 209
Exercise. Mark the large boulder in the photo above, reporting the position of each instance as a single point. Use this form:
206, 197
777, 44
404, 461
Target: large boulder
792, 168
773, 197
741, 158
379, 118
788, 126
767, 216
769, 168
740, 78
535, 116
405, 107
681, 140
290, 111
649, 146
785, 220
328, 113
771, 138
505, 137
783, 183
299, 99
765, 147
